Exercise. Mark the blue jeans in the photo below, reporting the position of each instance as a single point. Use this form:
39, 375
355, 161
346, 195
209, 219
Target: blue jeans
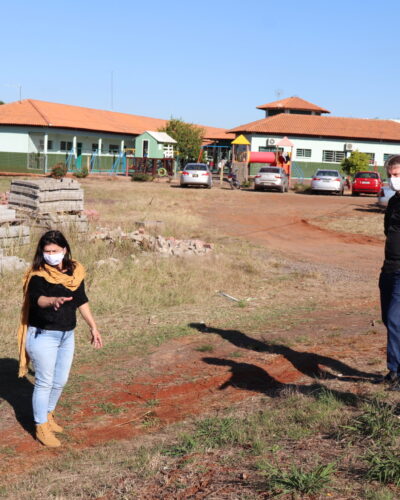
389, 285
51, 352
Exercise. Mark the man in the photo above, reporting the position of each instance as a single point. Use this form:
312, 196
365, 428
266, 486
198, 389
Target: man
389, 281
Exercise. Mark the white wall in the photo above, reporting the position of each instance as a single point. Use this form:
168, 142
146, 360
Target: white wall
14, 140
318, 145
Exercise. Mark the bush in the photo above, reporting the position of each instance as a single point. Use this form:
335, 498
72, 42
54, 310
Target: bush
141, 177
299, 187
80, 174
59, 170
356, 162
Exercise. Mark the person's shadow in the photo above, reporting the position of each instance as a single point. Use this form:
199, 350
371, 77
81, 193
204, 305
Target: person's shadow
17, 392
253, 378
308, 363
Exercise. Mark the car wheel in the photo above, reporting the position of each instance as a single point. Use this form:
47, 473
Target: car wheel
208, 186
282, 189
355, 194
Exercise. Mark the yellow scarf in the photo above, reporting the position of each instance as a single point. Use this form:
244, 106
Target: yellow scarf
56, 277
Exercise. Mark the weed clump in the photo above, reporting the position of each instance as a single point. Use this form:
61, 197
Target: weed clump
297, 480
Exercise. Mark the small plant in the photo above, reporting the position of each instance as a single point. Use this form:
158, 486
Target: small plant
151, 403
80, 174
59, 170
246, 184
384, 467
186, 445
377, 422
141, 177
297, 480
299, 187
111, 408
205, 348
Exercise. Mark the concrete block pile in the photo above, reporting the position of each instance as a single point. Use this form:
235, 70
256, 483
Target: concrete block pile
166, 247
50, 203
12, 231
11, 264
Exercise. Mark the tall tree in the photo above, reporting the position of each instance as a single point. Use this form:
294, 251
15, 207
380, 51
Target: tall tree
188, 136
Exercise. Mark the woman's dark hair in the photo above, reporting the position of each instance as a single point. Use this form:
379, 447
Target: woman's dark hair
391, 162
55, 238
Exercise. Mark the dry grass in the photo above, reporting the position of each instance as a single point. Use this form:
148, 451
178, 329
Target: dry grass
368, 225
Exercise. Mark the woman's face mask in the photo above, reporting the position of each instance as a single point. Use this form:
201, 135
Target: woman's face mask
53, 259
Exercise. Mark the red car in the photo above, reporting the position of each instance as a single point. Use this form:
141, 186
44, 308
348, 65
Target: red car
366, 182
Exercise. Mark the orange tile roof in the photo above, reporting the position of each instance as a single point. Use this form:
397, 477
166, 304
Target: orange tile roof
293, 103
326, 126
50, 114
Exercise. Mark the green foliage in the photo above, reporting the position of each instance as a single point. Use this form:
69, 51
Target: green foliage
59, 170
80, 174
298, 480
356, 162
384, 466
299, 187
141, 177
188, 136
111, 408
377, 422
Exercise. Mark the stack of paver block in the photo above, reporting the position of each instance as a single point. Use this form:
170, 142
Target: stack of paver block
12, 232
51, 203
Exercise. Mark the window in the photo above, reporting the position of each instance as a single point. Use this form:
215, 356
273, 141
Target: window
332, 156
371, 158
386, 156
49, 145
95, 147
145, 149
269, 149
113, 148
303, 153
65, 146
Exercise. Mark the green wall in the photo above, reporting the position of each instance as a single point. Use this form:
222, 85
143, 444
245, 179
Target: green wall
154, 151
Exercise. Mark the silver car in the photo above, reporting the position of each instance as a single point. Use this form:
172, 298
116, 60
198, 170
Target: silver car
271, 178
196, 174
385, 195
328, 181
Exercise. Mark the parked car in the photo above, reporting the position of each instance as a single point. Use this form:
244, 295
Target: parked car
328, 181
384, 196
366, 182
196, 174
271, 178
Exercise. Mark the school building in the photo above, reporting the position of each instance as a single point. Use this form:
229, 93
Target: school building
320, 141
35, 135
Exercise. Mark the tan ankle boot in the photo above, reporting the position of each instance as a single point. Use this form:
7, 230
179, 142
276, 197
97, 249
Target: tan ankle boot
46, 436
53, 424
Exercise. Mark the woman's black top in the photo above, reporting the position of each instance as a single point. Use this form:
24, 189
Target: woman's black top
47, 318
392, 232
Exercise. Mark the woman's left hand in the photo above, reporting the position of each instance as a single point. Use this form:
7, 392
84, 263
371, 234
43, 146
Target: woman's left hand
96, 339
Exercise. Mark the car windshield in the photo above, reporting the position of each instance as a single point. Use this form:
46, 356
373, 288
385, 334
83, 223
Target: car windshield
327, 173
366, 175
270, 170
196, 166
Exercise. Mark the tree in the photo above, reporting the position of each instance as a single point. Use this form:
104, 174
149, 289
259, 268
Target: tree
188, 136
1, 102
356, 162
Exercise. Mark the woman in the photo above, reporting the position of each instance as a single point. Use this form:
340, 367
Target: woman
54, 289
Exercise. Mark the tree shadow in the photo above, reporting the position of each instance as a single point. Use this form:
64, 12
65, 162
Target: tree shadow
250, 377
308, 363
17, 392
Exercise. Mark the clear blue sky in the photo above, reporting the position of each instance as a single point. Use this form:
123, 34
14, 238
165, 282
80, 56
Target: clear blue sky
207, 62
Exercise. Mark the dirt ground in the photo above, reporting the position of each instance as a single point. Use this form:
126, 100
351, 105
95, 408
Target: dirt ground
186, 382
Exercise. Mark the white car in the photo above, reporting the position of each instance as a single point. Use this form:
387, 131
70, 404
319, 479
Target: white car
271, 178
330, 181
196, 174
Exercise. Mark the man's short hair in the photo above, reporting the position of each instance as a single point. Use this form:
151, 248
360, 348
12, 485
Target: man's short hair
391, 162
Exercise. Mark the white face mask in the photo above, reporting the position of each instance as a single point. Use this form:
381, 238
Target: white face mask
53, 259
394, 183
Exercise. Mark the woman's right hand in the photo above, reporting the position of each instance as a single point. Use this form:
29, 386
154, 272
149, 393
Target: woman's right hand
59, 301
